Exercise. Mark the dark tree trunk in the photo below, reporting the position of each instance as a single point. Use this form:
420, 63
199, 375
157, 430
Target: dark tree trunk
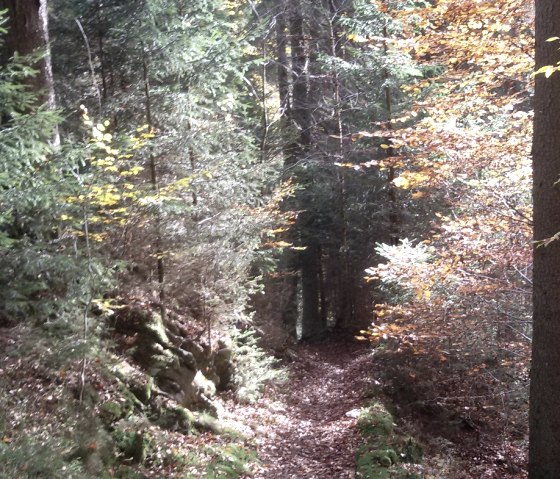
311, 323
300, 82
390, 152
28, 33
344, 315
289, 263
298, 116
154, 179
544, 417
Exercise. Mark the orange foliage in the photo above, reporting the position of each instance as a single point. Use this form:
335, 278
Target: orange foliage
466, 181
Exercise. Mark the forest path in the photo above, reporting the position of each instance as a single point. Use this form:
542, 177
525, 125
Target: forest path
302, 430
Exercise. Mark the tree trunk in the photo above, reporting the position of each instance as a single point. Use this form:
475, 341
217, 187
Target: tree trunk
28, 33
390, 152
282, 62
300, 82
158, 249
311, 324
544, 420
344, 315
289, 263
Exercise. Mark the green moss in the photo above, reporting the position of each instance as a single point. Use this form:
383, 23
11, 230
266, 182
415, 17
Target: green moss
176, 418
111, 412
133, 444
385, 450
206, 422
155, 328
412, 451
375, 421
143, 390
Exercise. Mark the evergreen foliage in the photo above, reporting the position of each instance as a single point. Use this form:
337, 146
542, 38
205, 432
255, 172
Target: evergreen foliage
215, 150
177, 68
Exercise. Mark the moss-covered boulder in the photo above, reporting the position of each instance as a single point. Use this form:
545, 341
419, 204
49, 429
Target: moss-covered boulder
133, 440
224, 368
175, 418
179, 367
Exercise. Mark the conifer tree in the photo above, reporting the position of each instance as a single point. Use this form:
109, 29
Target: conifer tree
544, 443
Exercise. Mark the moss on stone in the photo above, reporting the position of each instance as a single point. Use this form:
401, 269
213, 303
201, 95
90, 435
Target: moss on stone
176, 418
132, 439
376, 421
111, 411
155, 327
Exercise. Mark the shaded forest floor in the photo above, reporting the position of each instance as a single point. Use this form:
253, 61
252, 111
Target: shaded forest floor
303, 428
307, 427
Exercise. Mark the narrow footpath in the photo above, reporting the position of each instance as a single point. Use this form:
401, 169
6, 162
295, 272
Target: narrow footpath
306, 428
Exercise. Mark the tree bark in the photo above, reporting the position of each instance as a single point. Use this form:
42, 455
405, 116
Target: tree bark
300, 82
390, 152
311, 323
544, 420
289, 262
154, 179
282, 62
28, 33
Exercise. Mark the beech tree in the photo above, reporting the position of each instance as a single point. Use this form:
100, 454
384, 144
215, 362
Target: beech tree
544, 422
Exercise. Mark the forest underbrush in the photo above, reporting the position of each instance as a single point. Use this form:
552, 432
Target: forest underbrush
131, 402
468, 411
345, 411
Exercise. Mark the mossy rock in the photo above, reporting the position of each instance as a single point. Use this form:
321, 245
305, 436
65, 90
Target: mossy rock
224, 368
133, 440
111, 412
412, 451
143, 390
176, 418
376, 421
155, 328
205, 422
152, 347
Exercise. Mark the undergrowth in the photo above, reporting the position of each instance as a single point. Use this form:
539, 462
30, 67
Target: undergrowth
254, 366
387, 453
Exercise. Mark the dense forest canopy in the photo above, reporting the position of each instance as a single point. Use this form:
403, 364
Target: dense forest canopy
195, 193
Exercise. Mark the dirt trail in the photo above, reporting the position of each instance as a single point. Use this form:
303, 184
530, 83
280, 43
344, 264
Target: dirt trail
302, 429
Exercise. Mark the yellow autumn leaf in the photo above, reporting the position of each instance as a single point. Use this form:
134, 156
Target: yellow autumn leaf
401, 182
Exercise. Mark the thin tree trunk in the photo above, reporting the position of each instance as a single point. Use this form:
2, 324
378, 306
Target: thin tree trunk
302, 120
289, 262
283, 65
390, 152
158, 251
102, 66
345, 315
311, 324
